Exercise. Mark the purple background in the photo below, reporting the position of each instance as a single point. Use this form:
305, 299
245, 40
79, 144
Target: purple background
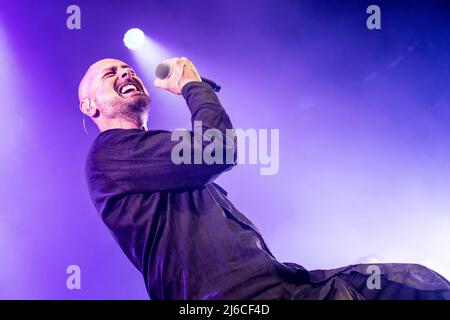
364, 119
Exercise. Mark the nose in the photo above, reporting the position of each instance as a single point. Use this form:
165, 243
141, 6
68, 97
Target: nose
125, 73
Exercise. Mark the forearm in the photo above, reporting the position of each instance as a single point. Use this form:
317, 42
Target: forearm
205, 106
211, 125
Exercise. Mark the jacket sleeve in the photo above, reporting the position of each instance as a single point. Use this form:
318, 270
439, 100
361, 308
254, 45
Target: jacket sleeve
129, 161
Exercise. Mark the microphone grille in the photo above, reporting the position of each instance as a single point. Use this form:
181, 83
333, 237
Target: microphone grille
162, 71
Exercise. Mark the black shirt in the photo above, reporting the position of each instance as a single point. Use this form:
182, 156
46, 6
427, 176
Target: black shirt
173, 222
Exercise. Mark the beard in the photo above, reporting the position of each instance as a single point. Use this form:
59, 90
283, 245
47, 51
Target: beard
134, 109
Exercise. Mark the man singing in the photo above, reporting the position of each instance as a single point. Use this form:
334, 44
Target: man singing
178, 227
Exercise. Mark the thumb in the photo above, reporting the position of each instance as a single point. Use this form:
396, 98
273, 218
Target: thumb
160, 83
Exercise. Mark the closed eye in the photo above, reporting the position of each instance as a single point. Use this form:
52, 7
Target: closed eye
108, 74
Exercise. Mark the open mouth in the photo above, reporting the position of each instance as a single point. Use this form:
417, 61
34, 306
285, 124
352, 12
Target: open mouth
128, 89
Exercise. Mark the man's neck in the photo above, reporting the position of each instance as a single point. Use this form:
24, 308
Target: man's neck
118, 123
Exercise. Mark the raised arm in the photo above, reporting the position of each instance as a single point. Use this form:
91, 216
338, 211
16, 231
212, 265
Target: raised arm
126, 161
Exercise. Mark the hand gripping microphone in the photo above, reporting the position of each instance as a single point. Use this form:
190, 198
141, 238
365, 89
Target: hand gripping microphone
163, 71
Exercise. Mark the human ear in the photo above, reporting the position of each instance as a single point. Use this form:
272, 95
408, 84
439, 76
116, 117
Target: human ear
88, 108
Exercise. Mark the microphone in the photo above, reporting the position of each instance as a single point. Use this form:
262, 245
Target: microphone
163, 71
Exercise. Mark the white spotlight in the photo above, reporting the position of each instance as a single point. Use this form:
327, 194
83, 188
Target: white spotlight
134, 38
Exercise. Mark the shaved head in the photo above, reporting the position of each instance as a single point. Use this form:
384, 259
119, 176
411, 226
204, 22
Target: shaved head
112, 90
83, 88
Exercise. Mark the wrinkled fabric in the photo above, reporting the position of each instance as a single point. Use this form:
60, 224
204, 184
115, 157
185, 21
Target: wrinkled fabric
189, 241
398, 281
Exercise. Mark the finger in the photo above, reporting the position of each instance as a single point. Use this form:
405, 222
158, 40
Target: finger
188, 63
159, 83
172, 62
177, 74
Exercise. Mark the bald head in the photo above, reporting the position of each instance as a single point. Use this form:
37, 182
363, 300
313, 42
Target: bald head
111, 90
93, 71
